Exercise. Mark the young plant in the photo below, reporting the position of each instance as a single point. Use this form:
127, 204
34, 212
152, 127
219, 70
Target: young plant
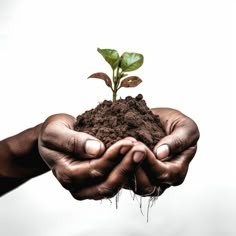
127, 62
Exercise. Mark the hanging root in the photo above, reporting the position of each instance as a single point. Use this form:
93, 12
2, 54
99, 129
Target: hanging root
141, 205
151, 201
108, 199
118, 198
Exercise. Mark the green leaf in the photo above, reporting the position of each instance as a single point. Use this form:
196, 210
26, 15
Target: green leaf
131, 61
103, 76
111, 56
131, 81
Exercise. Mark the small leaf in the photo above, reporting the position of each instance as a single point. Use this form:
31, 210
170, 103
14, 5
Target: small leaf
131, 61
131, 81
103, 76
111, 56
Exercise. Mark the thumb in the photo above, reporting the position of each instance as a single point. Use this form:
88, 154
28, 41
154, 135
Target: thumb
82, 144
182, 133
58, 135
172, 144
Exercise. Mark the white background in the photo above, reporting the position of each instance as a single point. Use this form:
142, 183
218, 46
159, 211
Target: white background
47, 50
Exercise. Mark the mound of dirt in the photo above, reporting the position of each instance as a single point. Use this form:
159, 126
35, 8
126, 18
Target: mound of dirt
111, 122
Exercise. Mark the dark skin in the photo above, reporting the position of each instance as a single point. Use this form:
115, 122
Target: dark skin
169, 166
20, 159
82, 165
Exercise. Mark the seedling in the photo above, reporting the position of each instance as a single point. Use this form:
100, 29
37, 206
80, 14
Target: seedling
129, 117
127, 62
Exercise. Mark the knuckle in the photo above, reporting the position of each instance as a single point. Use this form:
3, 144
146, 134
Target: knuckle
106, 191
178, 181
46, 134
177, 175
78, 196
145, 191
173, 175
65, 178
196, 131
72, 144
125, 172
65, 181
163, 188
96, 175
163, 177
179, 145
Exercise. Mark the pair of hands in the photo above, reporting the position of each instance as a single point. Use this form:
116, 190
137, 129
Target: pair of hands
82, 165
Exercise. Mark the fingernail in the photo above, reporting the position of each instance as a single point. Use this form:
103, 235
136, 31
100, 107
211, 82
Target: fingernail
124, 150
138, 156
163, 151
92, 147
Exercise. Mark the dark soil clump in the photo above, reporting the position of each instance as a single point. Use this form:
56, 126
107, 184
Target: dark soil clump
126, 117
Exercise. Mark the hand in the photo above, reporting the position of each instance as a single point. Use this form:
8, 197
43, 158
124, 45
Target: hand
168, 164
72, 158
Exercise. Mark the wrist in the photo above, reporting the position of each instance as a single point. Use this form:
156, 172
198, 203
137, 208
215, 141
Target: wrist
20, 157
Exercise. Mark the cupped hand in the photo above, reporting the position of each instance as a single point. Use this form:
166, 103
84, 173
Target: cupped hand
168, 163
81, 164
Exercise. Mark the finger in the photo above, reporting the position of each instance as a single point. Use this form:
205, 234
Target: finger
178, 167
179, 140
116, 179
145, 188
138, 182
158, 190
140, 179
155, 169
132, 139
58, 134
142, 184
169, 172
126, 149
73, 173
182, 132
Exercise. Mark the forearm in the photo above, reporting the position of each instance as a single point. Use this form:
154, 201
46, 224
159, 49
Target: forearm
20, 159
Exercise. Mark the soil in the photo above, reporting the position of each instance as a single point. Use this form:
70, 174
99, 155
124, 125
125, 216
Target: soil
111, 122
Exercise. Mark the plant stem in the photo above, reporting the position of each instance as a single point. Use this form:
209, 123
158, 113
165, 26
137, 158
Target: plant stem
114, 91
116, 81
114, 96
